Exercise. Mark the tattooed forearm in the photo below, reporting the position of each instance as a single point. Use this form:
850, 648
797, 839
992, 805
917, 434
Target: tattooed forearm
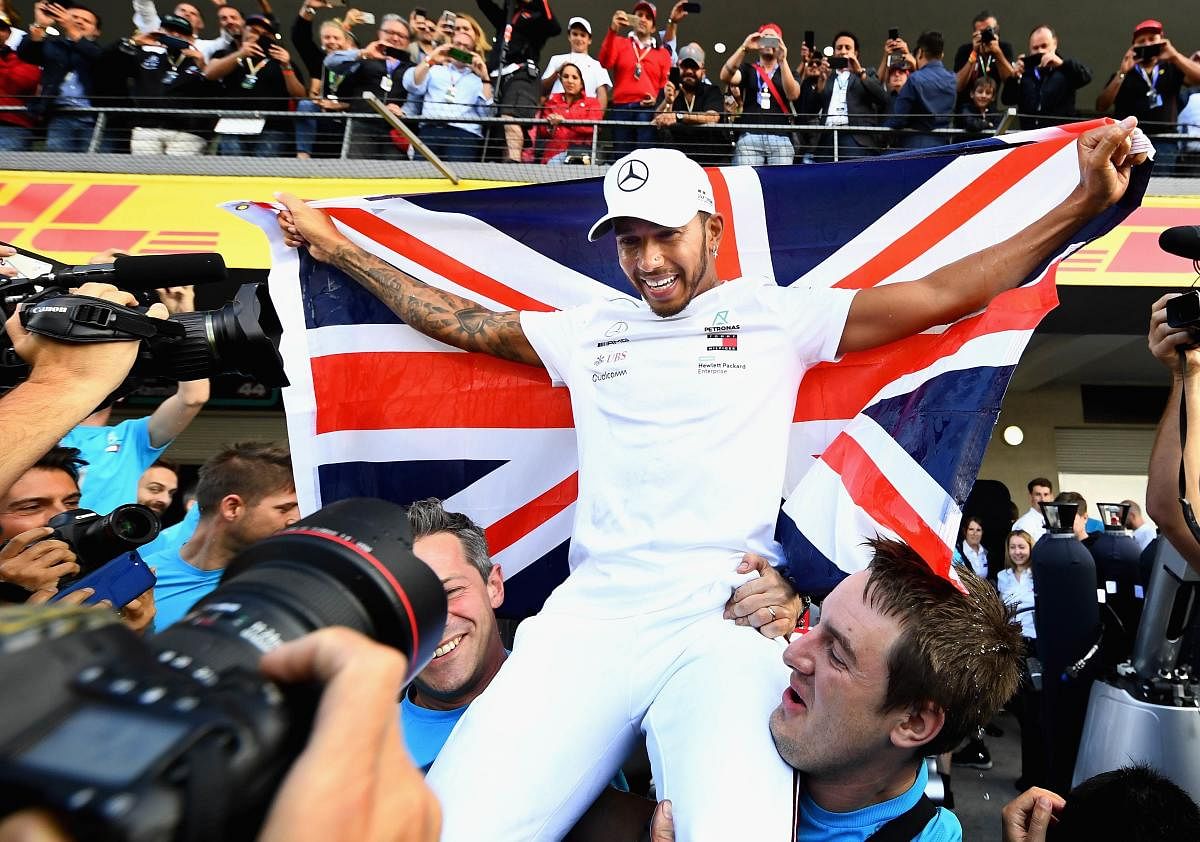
441, 315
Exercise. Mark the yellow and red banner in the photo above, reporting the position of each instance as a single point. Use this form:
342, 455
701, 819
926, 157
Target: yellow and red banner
72, 216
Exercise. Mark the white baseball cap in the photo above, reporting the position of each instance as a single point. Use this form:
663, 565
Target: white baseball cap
662, 186
581, 22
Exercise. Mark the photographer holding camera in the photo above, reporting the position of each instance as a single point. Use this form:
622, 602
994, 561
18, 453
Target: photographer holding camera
1162, 483
354, 781
1147, 86
258, 76
985, 55
1044, 83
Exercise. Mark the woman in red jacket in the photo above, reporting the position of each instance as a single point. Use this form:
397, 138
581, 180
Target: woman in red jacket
571, 104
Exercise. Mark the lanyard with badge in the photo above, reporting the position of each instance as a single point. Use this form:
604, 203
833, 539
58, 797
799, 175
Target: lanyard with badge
1153, 97
389, 67
639, 55
457, 78
332, 81
173, 74
252, 72
766, 90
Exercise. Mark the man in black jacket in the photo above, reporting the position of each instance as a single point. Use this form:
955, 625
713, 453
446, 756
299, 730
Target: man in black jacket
165, 72
62, 42
1044, 84
850, 95
518, 79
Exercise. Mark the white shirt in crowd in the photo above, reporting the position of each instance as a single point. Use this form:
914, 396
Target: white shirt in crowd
1144, 534
1032, 522
839, 112
594, 74
978, 559
1018, 591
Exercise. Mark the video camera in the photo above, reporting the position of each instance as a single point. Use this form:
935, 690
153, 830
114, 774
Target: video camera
183, 739
106, 548
240, 337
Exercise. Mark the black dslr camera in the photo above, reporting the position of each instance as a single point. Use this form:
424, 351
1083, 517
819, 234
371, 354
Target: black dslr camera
1184, 311
183, 739
241, 337
106, 547
987, 36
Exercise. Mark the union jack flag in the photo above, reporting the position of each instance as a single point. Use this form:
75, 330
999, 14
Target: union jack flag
886, 442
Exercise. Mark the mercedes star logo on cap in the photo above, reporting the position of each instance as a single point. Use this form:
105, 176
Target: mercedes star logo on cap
633, 175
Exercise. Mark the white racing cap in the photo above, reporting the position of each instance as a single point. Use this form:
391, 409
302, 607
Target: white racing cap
662, 186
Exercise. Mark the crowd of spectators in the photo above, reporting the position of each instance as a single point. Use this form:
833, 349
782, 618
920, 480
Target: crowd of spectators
473, 96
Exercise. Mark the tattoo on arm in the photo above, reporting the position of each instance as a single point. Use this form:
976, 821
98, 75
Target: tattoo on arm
441, 315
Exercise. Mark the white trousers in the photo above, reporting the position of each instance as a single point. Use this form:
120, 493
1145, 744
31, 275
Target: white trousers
535, 749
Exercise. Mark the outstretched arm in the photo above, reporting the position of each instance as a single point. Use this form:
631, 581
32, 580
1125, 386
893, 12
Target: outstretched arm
441, 315
885, 314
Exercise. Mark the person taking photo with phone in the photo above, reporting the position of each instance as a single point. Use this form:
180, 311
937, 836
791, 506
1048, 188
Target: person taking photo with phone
1147, 86
768, 87
454, 85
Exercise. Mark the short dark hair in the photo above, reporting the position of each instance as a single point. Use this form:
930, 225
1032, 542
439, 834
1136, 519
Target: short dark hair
173, 467
932, 44
1042, 481
982, 16
845, 33
65, 459
985, 82
251, 470
82, 7
931, 660
428, 517
1134, 803
1073, 497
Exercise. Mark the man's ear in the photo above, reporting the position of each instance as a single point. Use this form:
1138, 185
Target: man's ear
495, 586
919, 724
231, 507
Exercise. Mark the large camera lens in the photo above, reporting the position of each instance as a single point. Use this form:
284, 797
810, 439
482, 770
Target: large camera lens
98, 539
242, 336
350, 564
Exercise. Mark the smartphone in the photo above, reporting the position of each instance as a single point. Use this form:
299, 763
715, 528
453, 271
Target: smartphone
448, 17
367, 18
1145, 52
839, 62
460, 55
1032, 60
175, 45
675, 77
897, 60
893, 33
395, 52
810, 39
768, 41
692, 8
120, 581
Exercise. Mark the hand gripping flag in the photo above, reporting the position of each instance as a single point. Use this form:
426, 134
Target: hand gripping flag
885, 442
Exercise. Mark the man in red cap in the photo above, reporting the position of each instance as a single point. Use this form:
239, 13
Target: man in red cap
768, 87
1147, 86
638, 64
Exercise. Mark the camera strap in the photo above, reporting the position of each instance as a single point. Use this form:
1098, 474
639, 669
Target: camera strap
1189, 516
81, 318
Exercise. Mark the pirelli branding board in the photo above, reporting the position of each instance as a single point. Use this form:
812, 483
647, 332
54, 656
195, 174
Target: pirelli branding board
72, 216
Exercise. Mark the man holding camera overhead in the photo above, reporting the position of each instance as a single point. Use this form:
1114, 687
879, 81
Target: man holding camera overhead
985, 55
768, 88
1147, 86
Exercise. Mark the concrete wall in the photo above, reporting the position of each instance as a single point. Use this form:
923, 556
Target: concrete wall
1038, 413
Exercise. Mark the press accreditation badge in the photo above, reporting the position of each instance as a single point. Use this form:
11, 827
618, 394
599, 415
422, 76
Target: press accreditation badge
385, 84
249, 82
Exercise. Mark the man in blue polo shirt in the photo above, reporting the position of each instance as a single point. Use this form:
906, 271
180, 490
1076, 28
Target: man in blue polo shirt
117, 456
901, 665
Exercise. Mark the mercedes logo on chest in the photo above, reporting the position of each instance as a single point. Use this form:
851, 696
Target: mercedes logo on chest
633, 175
